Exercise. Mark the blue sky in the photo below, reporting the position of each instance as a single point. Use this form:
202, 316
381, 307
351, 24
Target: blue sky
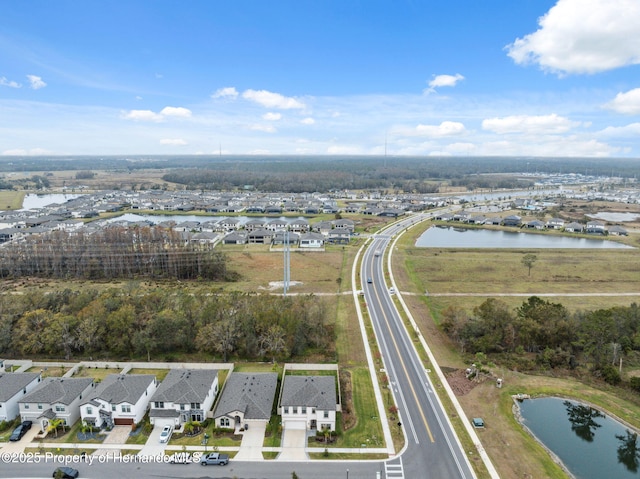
462, 77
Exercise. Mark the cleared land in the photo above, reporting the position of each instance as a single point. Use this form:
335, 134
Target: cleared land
493, 273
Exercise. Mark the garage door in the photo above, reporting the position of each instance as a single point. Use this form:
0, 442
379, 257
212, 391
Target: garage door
295, 425
123, 422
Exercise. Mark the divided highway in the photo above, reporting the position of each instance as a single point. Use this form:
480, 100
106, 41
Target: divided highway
432, 448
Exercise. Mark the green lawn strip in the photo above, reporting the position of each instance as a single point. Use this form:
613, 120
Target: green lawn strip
273, 432
217, 438
70, 435
160, 374
367, 431
343, 456
97, 374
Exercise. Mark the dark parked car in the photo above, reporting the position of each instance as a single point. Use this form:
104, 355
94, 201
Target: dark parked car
20, 431
65, 473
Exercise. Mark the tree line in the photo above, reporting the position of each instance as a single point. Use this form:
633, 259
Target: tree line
558, 339
119, 324
113, 252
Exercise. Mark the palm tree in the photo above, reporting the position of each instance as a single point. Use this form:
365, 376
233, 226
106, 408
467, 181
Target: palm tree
54, 424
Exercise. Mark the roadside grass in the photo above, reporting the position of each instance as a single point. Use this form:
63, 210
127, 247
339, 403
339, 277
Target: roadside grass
217, 438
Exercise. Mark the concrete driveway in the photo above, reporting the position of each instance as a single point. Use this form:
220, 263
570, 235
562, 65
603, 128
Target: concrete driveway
294, 443
118, 436
153, 446
25, 441
252, 440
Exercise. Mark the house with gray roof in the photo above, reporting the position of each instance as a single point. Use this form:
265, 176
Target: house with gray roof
184, 395
13, 387
55, 398
246, 398
309, 402
119, 400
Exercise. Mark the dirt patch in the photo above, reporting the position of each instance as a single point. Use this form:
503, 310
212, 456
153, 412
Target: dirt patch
457, 379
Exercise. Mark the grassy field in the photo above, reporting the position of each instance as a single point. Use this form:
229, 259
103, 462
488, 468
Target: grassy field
577, 277
11, 200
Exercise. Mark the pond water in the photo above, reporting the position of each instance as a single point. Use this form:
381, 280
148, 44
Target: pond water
32, 202
450, 237
616, 217
589, 444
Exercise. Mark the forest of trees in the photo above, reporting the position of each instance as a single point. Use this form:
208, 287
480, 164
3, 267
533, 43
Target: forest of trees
162, 324
114, 252
598, 339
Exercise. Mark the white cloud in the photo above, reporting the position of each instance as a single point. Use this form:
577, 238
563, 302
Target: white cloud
272, 116
549, 124
344, 150
307, 121
142, 115
265, 128
9, 83
443, 80
176, 111
25, 152
148, 115
173, 141
228, 92
628, 103
632, 131
583, 36
35, 82
272, 100
446, 128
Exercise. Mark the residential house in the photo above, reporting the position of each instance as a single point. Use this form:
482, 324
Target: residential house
14, 386
555, 223
119, 400
262, 236
246, 398
536, 224
184, 395
595, 227
574, 227
277, 224
311, 240
235, 238
299, 226
339, 236
618, 231
282, 237
309, 402
346, 224
253, 225
512, 220
55, 398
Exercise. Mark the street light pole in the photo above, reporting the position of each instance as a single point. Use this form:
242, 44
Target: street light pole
347, 473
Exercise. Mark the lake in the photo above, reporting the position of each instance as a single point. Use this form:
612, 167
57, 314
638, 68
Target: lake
590, 444
34, 202
450, 237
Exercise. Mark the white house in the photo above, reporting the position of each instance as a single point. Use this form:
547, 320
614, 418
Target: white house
311, 240
184, 395
246, 398
309, 402
120, 399
13, 387
55, 398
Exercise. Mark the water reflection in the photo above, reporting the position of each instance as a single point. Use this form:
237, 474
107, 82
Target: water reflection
582, 419
628, 451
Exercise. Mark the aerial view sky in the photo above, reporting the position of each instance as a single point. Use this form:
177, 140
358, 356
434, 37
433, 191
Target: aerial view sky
549, 78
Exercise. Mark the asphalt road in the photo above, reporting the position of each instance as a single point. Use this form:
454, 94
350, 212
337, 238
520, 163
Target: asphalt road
432, 450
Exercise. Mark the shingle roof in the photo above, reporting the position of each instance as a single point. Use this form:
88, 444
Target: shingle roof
57, 390
251, 393
182, 386
13, 383
121, 388
313, 391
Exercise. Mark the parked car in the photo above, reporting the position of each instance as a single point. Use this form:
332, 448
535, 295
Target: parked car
166, 433
215, 459
65, 472
369, 280
20, 431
